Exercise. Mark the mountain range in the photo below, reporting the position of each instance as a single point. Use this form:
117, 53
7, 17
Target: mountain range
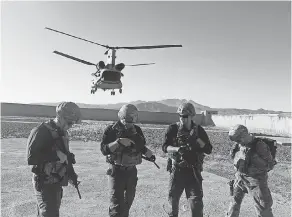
170, 106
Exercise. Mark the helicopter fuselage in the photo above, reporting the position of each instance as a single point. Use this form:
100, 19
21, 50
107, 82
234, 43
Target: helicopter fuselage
110, 79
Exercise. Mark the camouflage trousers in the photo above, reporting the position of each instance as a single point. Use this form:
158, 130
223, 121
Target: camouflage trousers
258, 189
122, 185
48, 200
190, 180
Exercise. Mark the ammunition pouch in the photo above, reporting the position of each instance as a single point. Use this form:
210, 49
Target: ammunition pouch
36, 170
110, 172
38, 176
39, 181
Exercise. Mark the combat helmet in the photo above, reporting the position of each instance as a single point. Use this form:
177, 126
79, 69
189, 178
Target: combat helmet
69, 111
237, 132
186, 108
129, 113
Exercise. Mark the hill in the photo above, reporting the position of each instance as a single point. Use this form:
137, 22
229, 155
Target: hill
170, 106
155, 107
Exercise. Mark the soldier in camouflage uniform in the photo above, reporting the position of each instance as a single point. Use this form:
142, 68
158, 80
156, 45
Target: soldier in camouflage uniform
186, 143
49, 158
123, 144
251, 172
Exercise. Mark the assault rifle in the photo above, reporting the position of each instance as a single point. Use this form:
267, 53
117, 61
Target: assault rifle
71, 173
151, 160
57, 135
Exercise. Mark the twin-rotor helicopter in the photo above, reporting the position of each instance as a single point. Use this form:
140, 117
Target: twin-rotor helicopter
108, 75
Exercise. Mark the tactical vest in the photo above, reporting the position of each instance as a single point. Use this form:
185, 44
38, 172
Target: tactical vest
195, 159
55, 172
124, 156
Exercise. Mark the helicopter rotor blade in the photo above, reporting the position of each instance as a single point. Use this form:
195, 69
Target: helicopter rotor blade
111, 47
148, 47
77, 37
74, 58
141, 64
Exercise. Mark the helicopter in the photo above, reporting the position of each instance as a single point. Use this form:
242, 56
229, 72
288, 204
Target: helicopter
108, 75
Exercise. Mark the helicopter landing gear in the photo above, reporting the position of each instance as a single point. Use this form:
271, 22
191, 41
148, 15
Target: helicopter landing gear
113, 93
120, 90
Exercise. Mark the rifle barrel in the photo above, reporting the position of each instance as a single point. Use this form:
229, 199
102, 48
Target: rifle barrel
156, 165
78, 192
146, 158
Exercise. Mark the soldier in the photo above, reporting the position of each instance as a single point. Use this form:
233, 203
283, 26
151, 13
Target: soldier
187, 143
251, 172
48, 153
123, 143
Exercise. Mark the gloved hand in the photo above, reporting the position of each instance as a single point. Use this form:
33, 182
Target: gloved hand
125, 142
71, 158
241, 166
152, 158
148, 153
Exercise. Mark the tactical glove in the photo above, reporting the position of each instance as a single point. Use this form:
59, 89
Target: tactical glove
148, 153
71, 158
152, 158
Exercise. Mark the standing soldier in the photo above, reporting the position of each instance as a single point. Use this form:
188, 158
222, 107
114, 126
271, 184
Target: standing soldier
251, 172
48, 153
186, 142
123, 143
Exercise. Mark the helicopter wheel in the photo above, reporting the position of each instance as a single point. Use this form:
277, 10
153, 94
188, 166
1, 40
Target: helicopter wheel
120, 90
113, 93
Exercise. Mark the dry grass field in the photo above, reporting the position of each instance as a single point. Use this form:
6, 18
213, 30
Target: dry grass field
16, 190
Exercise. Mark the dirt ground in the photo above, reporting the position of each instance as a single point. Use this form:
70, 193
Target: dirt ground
17, 197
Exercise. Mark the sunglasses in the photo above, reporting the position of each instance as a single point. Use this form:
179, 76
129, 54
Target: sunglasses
183, 116
238, 140
129, 122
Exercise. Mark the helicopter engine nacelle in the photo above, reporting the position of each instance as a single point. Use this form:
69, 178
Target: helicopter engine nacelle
120, 66
101, 65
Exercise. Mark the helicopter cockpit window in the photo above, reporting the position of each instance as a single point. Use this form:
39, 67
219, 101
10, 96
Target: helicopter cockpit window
111, 76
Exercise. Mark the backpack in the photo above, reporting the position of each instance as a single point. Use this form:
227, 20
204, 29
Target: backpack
271, 144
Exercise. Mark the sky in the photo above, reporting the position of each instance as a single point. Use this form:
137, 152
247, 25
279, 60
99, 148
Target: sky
234, 54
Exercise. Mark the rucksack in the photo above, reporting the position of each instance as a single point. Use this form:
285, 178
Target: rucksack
271, 144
